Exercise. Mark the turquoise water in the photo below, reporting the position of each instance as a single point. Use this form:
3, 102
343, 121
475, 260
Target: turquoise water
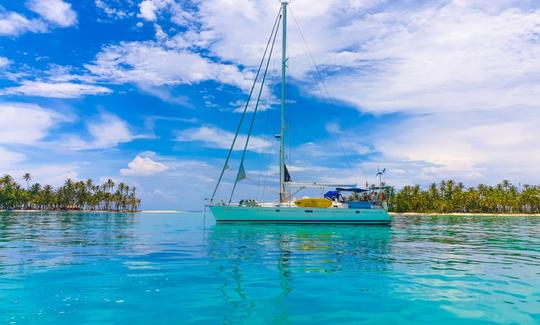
165, 269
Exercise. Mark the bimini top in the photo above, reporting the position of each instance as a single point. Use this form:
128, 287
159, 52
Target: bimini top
351, 189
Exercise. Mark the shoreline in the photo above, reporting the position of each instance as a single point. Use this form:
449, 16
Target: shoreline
464, 214
406, 214
70, 211
95, 211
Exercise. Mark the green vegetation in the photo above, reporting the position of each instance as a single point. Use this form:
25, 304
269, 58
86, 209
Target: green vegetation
449, 196
81, 195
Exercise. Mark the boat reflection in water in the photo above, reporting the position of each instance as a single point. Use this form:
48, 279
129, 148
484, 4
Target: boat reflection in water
271, 266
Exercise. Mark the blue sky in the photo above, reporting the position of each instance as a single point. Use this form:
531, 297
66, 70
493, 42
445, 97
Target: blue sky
148, 91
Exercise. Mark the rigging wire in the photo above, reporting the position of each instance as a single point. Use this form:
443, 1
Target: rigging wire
269, 160
225, 165
255, 111
257, 183
273, 159
322, 86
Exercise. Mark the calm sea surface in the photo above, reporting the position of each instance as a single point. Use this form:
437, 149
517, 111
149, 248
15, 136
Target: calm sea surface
167, 269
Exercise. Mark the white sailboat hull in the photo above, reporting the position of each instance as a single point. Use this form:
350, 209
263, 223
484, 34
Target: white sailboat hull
227, 213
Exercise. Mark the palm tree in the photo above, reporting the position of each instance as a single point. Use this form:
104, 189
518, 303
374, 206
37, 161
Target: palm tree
27, 177
47, 197
109, 185
34, 194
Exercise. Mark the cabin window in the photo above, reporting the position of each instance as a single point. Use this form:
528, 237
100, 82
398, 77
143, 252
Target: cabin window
309, 211
277, 210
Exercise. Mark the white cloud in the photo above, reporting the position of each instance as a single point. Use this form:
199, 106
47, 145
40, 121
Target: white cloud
150, 9
452, 55
55, 11
14, 24
143, 166
8, 158
54, 89
106, 132
26, 123
456, 57
159, 33
165, 94
237, 30
152, 64
4, 62
214, 137
113, 11
469, 146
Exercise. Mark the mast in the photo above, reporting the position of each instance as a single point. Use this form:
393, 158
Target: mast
282, 190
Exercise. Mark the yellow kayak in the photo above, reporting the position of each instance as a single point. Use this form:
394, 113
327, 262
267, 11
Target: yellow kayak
313, 203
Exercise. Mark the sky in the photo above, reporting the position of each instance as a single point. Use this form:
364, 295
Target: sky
148, 92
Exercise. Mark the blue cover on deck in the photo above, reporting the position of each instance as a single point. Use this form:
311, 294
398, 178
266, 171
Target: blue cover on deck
331, 195
360, 205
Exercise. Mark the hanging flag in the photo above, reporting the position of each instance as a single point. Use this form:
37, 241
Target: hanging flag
241, 173
287, 175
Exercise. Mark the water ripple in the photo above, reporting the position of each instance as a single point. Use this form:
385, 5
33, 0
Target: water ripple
151, 268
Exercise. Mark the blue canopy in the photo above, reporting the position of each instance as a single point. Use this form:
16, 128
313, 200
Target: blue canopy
351, 189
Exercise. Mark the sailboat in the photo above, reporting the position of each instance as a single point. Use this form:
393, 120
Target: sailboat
331, 208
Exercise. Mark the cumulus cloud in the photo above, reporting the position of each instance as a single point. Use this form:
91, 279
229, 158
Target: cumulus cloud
238, 32
57, 12
153, 64
143, 166
471, 146
14, 24
55, 89
455, 57
26, 123
4, 62
150, 9
452, 55
105, 132
213, 137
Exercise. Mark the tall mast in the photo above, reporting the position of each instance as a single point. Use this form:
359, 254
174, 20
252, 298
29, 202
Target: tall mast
282, 190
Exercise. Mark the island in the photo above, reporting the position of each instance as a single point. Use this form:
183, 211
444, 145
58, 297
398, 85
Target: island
71, 196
